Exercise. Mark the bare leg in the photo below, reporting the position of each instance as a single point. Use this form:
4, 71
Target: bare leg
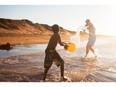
62, 72
87, 51
92, 50
45, 73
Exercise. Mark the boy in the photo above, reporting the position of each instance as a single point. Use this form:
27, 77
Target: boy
51, 53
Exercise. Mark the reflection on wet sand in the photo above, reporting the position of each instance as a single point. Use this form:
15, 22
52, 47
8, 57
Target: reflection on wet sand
29, 67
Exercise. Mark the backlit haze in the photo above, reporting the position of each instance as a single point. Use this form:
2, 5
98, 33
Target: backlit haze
68, 16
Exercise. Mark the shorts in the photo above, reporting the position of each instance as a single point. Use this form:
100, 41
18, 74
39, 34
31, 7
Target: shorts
50, 56
92, 39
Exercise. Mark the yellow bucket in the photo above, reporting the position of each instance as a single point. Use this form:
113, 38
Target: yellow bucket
71, 47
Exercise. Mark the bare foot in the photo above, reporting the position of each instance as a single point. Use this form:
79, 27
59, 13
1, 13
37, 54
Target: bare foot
63, 79
83, 59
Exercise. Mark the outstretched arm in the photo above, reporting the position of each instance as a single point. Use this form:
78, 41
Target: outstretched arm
60, 42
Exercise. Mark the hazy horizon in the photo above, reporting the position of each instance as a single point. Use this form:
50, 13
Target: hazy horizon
68, 16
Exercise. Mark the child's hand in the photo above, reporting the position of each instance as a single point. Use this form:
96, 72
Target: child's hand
66, 47
64, 43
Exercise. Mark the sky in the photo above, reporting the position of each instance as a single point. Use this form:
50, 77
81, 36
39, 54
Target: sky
70, 17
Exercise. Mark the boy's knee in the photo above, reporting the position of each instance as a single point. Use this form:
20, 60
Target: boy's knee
88, 46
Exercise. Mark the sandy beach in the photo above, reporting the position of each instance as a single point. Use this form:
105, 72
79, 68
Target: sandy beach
38, 39
29, 39
29, 67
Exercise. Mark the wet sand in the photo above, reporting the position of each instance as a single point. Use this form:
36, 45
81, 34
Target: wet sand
29, 67
25, 39
29, 39
101, 76
34, 39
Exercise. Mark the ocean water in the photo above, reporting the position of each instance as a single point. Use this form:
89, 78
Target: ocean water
22, 50
74, 67
104, 44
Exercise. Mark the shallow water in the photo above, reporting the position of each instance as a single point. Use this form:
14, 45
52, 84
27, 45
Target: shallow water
107, 63
22, 50
33, 48
26, 62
